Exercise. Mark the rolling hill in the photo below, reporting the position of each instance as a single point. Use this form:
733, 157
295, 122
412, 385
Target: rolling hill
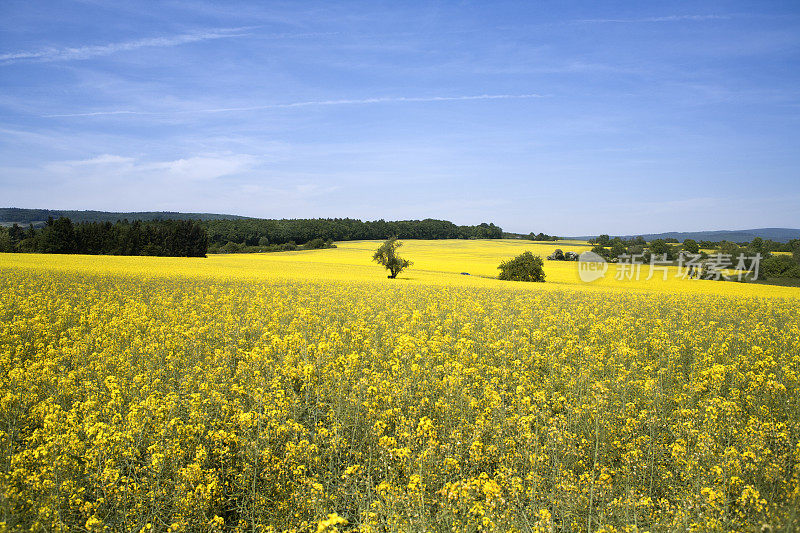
24, 217
743, 235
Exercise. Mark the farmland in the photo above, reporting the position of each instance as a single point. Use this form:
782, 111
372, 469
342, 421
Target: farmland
303, 391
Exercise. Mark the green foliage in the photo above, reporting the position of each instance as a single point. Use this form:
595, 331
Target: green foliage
238, 248
730, 248
314, 244
611, 249
541, 237
174, 238
386, 255
779, 266
691, 246
659, 247
231, 247
524, 267
794, 247
635, 249
251, 231
5, 240
602, 252
58, 237
617, 247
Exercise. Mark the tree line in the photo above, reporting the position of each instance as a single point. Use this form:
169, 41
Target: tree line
172, 238
778, 260
757, 244
267, 232
541, 237
531, 236
195, 238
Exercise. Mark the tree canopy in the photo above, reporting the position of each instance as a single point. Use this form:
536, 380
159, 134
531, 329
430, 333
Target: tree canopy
248, 232
185, 238
524, 267
386, 255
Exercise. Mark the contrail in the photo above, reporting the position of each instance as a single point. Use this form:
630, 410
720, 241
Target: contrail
668, 18
311, 103
86, 52
382, 100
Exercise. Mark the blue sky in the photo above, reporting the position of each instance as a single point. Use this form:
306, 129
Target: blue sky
563, 117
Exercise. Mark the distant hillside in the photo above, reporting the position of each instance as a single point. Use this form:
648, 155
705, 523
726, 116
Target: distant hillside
37, 217
743, 235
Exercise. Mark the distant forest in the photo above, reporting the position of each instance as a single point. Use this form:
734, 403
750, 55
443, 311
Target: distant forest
172, 238
195, 238
262, 232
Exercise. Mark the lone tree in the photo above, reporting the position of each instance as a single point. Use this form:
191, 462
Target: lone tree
387, 256
524, 267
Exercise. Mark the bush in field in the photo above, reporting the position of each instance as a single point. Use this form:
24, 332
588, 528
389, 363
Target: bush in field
524, 267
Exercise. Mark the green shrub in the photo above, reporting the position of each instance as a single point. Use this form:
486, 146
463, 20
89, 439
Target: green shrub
314, 244
779, 266
231, 247
524, 267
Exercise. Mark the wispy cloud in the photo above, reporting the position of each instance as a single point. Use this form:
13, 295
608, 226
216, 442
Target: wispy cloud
310, 103
201, 167
104, 159
86, 52
668, 18
207, 167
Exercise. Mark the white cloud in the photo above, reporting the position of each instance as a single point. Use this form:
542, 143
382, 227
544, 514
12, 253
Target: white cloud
102, 164
111, 168
202, 167
104, 159
86, 52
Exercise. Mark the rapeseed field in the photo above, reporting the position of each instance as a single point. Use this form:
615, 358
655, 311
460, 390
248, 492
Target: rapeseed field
303, 391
